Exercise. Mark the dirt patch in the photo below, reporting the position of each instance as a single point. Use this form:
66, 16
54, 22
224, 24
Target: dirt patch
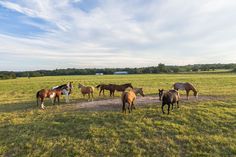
116, 104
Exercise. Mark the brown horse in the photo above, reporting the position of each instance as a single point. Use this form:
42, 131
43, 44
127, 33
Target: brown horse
169, 97
103, 87
86, 90
48, 93
113, 87
129, 97
187, 87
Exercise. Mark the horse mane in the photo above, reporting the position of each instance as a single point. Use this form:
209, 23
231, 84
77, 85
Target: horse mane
64, 86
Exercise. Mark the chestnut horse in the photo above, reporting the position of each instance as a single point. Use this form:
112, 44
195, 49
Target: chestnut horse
129, 97
113, 87
86, 90
169, 97
187, 87
48, 93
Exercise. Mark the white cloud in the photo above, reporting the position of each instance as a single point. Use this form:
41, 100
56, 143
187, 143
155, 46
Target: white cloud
124, 33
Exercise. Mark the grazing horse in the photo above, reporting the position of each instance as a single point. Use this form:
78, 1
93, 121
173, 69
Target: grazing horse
113, 87
86, 90
129, 97
66, 90
48, 93
187, 87
169, 97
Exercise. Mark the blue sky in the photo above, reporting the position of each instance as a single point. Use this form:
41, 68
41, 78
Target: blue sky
50, 34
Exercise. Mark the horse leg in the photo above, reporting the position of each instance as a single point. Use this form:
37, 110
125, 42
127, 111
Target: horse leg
133, 105
123, 107
129, 106
187, 93
172, 106
88, 96
42, 103
53, 99
57, 97
100, 92
92, 96
168, 108
177, 104
162, 107
110, 93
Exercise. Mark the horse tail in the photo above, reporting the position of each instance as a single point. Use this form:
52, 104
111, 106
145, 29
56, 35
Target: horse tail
98, 86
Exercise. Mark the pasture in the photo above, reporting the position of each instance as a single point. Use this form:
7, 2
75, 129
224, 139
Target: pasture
204, 127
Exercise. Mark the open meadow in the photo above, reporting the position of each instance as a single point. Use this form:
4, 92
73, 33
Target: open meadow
204, 127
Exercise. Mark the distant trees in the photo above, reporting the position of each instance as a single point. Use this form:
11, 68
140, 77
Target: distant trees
7, 75
160, 68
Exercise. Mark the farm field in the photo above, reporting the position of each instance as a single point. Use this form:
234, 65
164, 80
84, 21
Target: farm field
204, 127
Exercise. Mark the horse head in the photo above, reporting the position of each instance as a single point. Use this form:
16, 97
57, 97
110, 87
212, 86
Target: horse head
80, 85
141, 92
161, 91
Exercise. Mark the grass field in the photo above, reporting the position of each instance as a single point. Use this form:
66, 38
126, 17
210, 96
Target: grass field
198, 128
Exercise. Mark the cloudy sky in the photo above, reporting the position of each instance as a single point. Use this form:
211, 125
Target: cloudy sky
50, 34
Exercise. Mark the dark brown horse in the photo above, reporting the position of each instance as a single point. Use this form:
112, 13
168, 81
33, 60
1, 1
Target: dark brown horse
129, 97
113, 87
169, 97
187, 87
48, 93
103, 87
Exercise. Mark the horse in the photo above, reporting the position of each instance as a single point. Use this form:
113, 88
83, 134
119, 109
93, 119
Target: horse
187, 87
86, 90
129, 97
161, 91
66, 90
119, 88
169, 97
113, 87
103, 87
48, 93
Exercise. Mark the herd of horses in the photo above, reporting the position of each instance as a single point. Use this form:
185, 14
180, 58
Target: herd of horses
128, 96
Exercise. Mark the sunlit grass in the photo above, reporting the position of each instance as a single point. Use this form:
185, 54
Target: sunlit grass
198, 128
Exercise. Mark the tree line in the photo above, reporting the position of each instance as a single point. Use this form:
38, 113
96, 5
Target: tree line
161, 68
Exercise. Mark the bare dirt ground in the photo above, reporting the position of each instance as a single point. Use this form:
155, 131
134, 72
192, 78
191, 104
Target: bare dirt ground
116, 104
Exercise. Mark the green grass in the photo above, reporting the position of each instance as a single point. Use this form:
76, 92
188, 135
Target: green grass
198, 128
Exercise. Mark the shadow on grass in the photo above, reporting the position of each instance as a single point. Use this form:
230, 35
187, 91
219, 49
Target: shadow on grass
26, 105
58, 135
